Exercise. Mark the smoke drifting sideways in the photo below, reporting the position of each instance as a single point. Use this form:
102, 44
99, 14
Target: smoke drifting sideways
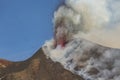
94, 20
87, 26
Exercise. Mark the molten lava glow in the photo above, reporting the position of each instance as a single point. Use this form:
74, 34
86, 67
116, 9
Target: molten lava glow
87, 29
94, 20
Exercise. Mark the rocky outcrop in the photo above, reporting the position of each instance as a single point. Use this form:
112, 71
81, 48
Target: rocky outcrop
38, 67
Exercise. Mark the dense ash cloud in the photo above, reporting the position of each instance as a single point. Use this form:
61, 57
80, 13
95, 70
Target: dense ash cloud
91, 29
94, 20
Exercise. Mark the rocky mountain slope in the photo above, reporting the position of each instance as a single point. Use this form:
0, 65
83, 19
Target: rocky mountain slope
38, 67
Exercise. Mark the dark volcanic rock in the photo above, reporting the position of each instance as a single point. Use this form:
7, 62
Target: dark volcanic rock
38, 67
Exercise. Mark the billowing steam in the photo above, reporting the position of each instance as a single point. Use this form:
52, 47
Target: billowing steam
82, 28
94, 20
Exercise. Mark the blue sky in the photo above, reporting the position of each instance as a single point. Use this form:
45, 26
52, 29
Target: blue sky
24, 27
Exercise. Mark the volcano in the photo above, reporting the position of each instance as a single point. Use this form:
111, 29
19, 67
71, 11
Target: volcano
85, 45
83, 61
38, 67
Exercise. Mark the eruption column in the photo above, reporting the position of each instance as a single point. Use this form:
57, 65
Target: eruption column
60, 34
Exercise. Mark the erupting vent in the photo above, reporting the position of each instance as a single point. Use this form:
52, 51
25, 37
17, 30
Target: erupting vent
81, 30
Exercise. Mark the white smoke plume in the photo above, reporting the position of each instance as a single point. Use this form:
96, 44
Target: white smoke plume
94, 20
85, 27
